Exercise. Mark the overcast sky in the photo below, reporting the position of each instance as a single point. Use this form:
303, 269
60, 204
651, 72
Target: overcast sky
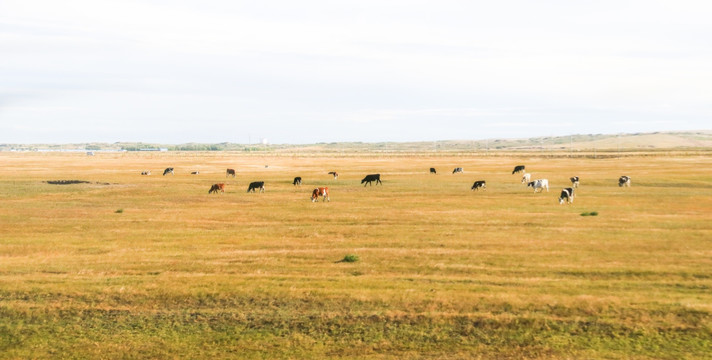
321, 71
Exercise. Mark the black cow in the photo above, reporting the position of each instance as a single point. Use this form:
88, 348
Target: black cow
373, 177
432, 171
567, 194
458, 170
479, 184
297, 181
256, 185
517, 169
168, 170
574, 181
624, 181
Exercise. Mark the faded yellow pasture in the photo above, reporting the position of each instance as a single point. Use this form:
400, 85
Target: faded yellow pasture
137, 266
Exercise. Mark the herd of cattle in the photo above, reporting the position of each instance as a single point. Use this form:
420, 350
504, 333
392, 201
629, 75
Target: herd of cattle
539, 185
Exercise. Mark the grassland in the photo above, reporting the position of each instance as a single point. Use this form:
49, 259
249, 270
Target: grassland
130, 266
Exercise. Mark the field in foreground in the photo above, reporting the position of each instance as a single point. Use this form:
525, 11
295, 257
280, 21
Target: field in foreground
130, 266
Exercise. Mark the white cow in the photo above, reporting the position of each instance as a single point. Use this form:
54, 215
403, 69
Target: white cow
527, 177
539, 185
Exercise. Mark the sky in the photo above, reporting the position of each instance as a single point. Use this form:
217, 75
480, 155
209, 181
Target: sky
326, 71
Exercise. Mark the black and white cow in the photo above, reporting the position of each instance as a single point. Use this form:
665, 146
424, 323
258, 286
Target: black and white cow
297, 181
256, 185
517, 169
146, 172
195, 173
574, 181
479, 184
336, 175
370, 178
567, 195
168, 170
432, 171
458, 170
539, 185
624, 181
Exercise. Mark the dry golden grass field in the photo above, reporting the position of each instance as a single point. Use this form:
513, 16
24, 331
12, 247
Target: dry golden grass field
131, 266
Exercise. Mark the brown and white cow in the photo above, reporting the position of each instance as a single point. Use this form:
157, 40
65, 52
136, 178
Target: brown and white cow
217, 187
322, 191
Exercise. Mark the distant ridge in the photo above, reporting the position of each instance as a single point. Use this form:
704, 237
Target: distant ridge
679, 140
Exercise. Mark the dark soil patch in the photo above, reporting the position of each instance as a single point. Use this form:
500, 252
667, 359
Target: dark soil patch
66, 182
69, 182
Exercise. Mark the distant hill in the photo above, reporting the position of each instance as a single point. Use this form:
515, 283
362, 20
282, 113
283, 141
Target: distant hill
678, 140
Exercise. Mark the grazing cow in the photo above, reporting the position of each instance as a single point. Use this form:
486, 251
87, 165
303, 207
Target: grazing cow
297, 181
230, 172
458, 170
147, 172
195, 173
574, 181
322, 191
624, 181
168, 170
479, 184
539, 185
567, 194
372, 177
336, 175
217, 187
256, 185
527, 177
517, 169
432, 171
